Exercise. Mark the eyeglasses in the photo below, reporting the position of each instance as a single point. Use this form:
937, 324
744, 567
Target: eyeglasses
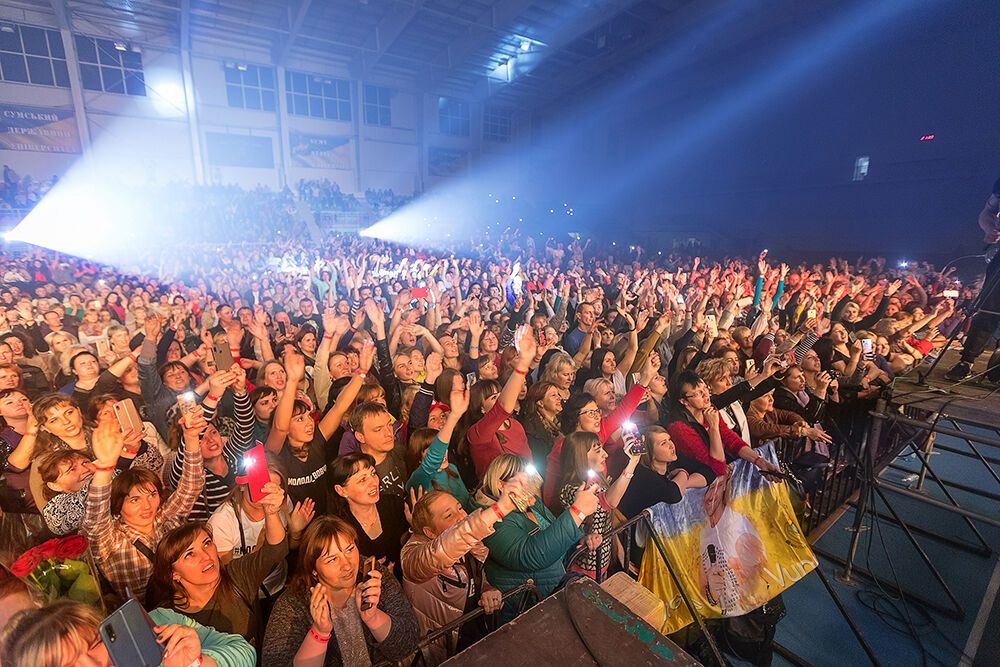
594, 412
701, 391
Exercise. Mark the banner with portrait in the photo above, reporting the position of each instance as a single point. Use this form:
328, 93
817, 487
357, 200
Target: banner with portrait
319, 151
733, 545
40, 129
446, 161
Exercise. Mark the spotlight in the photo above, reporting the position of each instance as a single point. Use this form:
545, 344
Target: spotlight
525, 45
121, 46
903, 264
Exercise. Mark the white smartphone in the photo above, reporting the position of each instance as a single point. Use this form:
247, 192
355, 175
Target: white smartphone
950, 294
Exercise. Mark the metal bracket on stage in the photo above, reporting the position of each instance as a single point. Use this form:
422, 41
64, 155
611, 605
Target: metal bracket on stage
874, 487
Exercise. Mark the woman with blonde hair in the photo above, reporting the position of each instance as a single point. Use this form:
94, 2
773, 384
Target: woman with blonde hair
66, 633
529, 543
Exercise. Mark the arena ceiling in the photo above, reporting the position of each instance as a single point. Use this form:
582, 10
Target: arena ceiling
520, 52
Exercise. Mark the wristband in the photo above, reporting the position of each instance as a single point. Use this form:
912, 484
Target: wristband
520, 372
361, 374
196, 662
577, 513
315, 634
130, 452
31, 433
499, 513
473, 347
234, 349
135, 359
327, 336
104, 468
210, 397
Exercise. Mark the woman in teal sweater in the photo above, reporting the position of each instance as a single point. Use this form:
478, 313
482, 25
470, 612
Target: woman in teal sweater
429, 463
529, 544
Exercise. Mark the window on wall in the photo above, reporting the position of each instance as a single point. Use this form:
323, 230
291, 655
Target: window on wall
32, 55
108, 66
453, 116
317, 96
378, 106
497, 123
250, 87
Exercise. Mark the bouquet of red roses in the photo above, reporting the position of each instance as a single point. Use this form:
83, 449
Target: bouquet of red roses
59, 568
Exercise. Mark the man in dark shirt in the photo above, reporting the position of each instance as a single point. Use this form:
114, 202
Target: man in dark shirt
984, 323
307, 315
372, 426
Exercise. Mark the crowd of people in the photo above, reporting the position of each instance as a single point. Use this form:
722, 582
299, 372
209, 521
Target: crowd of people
22, 192
437, 428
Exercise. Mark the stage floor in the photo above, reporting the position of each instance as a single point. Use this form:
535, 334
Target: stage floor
975, 402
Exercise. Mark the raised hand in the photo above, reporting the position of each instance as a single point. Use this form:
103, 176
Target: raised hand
459, 402
219, 380
433, 366
107, 442
585, 499
181, 645
528, 346
369, 591
274, 499
319, 609
367, 356
295, 366
300, 516
153, 326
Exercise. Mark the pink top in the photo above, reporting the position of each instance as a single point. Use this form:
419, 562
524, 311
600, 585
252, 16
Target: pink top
487, 441
610, 424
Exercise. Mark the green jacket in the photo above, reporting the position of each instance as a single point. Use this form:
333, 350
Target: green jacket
227, 650
518, 554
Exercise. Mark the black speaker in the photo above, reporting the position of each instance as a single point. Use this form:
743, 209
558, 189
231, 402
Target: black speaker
581, 625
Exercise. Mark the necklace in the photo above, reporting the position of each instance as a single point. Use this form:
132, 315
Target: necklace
369, 524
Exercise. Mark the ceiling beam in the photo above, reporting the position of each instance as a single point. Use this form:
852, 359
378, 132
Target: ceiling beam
673, 26
283, 48
388, 31
500, 14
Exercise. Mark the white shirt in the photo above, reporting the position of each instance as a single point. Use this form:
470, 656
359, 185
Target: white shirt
226, 534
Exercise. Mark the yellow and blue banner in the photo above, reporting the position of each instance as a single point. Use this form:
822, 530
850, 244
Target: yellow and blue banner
733, 545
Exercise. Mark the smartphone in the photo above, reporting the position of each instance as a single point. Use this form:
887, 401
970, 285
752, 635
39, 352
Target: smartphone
950, 294
680, 299
790, 358
103, 347
366, 570
127, 415
419, 293
710, 321
281, 328
751, 366
222, 354
187, 403
256, 473
867, 349
129, 637
851, 336
470, 379
811, 314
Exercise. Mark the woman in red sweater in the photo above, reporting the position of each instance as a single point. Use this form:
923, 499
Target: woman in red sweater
580, 413
498, 432
698, 432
